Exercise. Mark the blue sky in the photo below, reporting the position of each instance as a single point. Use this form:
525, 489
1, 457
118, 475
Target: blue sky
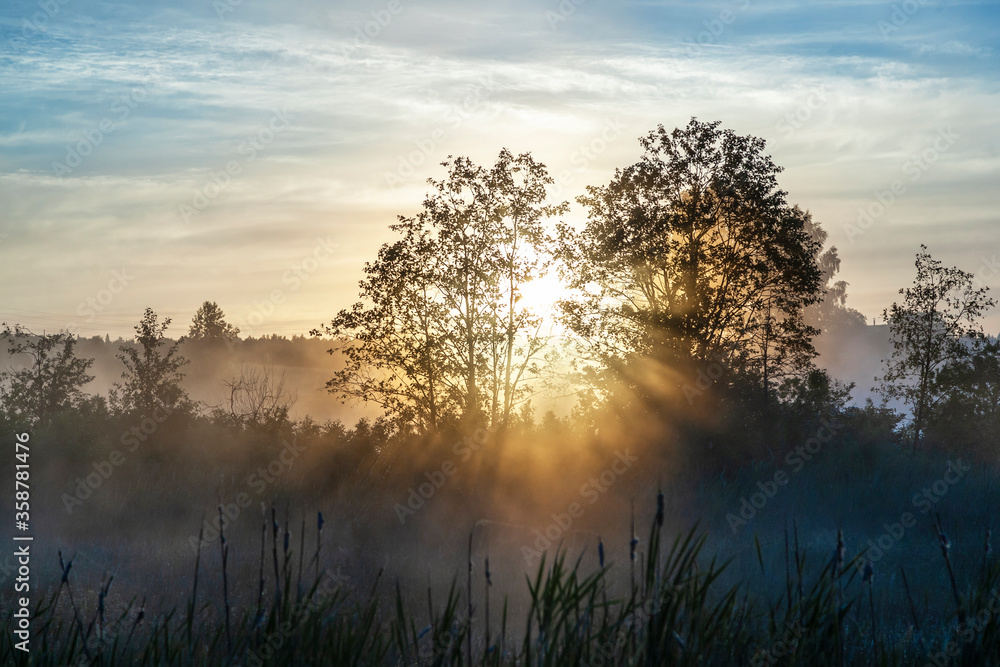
254, 153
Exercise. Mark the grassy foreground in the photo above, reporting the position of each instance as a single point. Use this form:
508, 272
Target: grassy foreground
676, 612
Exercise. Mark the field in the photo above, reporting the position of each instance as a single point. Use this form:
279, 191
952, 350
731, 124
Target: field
844, 551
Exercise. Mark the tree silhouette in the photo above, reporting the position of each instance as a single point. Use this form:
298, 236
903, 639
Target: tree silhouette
151, 377
49, 383
831, 313
968, 415
209, 324
440, 336
935, 327
692, 255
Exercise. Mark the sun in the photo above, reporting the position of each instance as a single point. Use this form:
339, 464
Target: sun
541, 295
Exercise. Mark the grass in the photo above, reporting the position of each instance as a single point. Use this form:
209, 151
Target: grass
670, 606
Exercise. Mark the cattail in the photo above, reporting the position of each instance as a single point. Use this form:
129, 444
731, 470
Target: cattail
945, 548
632, 547
489, 583
600, 551
274, 557
659, 509
65, 567
225, 576
839, 555
319, 539
302, 550
868, 577
100, 610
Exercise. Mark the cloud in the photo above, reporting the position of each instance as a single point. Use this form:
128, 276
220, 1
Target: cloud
842, 106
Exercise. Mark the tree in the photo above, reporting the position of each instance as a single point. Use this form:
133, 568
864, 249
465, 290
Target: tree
936, 326
968, 416
152, 376
830, 313
440, 336
50, 382
209, 324
257, 400
693, 256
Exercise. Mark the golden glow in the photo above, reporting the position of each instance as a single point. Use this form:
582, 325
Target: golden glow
541, 294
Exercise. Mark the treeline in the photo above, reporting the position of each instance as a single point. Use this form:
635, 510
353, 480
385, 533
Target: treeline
686, 311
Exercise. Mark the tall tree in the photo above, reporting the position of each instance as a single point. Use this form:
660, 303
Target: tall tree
52, 379
152, 376
935, 327
209, 324
831, 313
968, 415
692, 255
440, 335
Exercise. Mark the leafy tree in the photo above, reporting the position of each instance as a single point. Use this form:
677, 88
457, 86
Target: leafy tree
209, 324
815, 395
693, 256
968, 415
830, 314
441, 336
935, 327
50, 382
152, 376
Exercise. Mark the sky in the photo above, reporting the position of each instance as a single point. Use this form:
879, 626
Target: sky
254, 153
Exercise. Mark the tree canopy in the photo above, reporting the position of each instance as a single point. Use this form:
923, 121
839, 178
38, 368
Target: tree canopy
50, 382
440, 336
690, 256
152, 376
935, 328
209, 324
